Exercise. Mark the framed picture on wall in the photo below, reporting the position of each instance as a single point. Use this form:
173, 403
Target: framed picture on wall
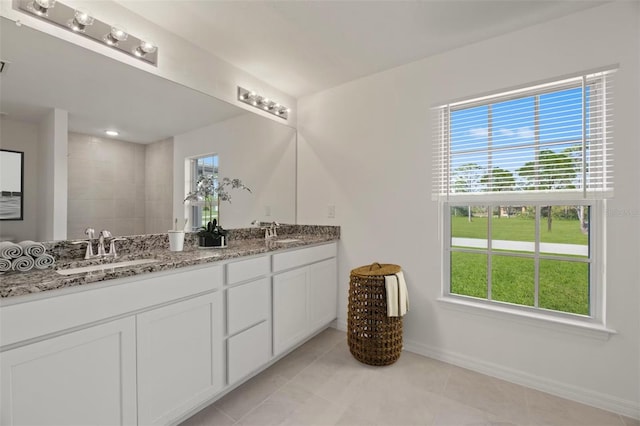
11, 185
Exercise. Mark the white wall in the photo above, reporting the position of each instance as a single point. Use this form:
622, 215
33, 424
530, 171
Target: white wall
22, 136
52, 179
257, 151
158, 194
366, 148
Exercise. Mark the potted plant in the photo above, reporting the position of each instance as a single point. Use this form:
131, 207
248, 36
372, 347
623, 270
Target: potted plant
213, 235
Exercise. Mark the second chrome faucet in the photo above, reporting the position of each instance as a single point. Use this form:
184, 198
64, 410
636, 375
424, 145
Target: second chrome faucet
102, 252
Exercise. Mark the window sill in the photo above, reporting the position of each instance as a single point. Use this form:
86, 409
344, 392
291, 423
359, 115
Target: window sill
583, 328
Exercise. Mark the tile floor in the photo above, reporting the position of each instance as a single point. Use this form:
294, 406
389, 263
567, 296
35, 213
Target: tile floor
320, 383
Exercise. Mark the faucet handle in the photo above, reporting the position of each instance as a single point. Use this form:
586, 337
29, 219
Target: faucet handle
106, 234
90, 232
112, 246
89, 253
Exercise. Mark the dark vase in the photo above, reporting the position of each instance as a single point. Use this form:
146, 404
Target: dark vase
210, 241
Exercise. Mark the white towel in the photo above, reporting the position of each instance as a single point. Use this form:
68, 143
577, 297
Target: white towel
44, 261
10, 250
397, 295
23, 263
5, 265
32, 248
391, 287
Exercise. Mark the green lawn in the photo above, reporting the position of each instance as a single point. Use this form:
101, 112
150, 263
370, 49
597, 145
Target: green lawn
563, 284
518, 228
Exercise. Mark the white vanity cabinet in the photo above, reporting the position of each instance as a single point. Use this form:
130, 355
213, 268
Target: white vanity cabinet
248, 316
304, 295
86, 377
137, 351
180, 361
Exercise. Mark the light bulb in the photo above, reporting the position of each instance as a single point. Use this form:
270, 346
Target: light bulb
80, 21
144, 48
114, 36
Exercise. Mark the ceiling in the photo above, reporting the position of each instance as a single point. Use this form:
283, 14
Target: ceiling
302, 47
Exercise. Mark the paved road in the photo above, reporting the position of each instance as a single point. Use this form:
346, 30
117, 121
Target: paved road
555, 248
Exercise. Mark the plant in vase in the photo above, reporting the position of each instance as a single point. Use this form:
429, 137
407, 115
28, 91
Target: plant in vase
207, 187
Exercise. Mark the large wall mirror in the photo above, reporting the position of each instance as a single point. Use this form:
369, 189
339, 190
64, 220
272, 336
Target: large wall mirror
58, 94
11, 184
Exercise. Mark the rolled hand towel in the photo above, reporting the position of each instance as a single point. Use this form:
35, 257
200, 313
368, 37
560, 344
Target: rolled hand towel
44, 261
10, 250
5, 265
23, 263
32, 248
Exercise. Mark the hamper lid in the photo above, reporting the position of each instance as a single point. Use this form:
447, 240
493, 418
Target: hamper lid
376, 269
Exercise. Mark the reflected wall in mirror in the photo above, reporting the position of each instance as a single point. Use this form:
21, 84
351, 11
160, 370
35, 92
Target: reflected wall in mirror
11, 184
133, 183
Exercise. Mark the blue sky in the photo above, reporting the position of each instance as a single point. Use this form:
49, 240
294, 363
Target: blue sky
513, 129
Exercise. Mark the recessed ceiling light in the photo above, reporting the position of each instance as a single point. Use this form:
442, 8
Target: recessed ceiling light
112, 132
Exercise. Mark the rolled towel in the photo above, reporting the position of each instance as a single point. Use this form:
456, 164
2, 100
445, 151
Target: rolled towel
10, 250
32, 248
44, 261
5, 265
23, 263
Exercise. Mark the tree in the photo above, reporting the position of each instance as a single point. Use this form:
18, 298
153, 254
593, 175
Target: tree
552, 170
497, 180
465, 179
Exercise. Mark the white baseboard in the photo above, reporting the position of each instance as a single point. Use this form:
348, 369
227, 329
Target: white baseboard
585, 396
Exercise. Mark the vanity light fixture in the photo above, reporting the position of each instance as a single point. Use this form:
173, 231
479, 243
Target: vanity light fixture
112, 132
85, 24
115, 36
252, 98
144, 49
41, 7
80, 21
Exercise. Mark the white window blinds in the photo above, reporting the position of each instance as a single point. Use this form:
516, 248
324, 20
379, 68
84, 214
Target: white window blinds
547, 141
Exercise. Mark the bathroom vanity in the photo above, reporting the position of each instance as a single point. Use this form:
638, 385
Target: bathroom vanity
154, 345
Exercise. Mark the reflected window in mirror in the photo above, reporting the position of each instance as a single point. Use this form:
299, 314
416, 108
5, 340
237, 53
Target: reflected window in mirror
200, 215
11, 185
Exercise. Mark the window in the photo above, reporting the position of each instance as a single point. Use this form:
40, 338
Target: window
200, 166
522, 179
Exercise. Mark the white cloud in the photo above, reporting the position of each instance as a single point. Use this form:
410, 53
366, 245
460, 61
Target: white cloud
506, 132
525, 133
479, 132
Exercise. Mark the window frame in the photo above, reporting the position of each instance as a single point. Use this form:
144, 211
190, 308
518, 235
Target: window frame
595, 259
592, 193
196, 211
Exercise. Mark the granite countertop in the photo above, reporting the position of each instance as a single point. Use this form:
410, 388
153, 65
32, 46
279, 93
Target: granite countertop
37, 281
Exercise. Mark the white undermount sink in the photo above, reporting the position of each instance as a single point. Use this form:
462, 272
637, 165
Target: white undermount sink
287, 240
104, 266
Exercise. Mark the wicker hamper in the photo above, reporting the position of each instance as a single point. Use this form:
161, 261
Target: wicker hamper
373, 337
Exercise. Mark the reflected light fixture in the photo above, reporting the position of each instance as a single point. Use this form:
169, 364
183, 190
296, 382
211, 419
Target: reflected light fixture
144, 49
80, 21
112, 132
41, 7
84, 23
115, 36
252, 98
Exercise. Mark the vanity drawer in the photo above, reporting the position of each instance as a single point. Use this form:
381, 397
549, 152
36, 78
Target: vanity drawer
247, 304
295, 258
247, 269
247, 352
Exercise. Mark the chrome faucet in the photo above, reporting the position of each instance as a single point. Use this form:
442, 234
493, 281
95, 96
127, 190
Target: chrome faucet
271, 232
90, 233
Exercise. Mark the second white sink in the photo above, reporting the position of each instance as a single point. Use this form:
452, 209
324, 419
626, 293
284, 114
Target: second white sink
287, 240
104, 266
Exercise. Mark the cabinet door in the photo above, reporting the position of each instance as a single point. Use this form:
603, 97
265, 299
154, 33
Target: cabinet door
82, 378
289, 309
323, 294
180, 357
248, 351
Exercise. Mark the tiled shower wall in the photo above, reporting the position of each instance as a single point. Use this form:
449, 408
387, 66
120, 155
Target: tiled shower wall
111, 183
